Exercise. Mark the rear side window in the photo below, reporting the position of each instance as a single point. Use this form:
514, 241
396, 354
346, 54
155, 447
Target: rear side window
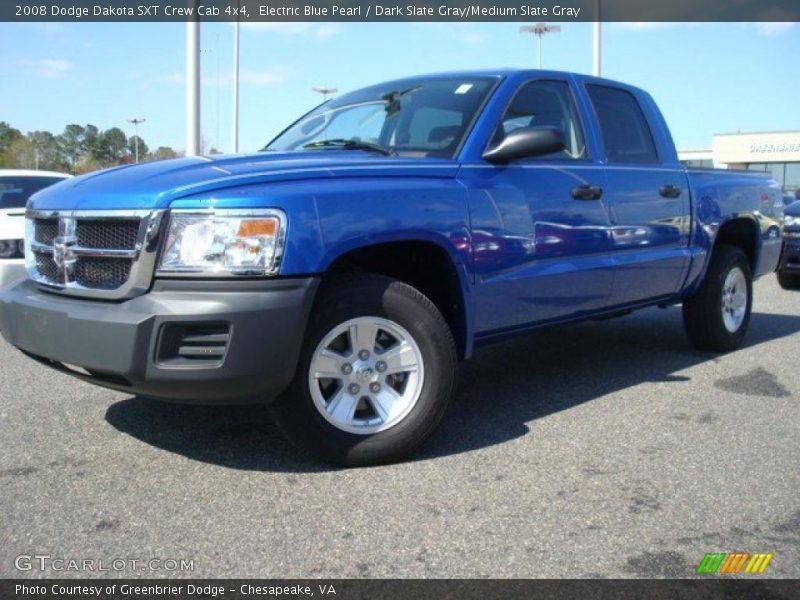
626, 134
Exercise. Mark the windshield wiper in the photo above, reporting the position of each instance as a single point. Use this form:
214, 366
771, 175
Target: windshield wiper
343, 144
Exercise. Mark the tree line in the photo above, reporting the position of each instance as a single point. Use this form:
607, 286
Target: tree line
78, 149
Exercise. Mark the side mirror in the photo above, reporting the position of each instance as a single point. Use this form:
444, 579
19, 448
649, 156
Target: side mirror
526, 142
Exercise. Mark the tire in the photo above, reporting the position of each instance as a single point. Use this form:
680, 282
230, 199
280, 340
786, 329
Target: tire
789, 281
709, 327
315, 412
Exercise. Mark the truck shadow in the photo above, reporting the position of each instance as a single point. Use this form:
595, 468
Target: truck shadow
505, 387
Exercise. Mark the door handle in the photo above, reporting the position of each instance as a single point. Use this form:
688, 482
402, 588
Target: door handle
670, 191
587, 192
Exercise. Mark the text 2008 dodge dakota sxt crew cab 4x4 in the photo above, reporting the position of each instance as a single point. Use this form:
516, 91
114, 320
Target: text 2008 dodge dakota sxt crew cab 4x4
342, 272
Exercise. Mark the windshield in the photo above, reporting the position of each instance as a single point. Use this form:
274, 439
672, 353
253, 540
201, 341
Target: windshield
411, 117
15, 191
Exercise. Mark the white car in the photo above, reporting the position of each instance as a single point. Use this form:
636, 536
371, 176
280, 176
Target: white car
16, 186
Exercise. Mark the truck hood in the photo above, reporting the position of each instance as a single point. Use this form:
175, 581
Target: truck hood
157, 184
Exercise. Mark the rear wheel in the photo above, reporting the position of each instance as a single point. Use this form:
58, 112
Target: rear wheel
376, 373
788, 281
716, 317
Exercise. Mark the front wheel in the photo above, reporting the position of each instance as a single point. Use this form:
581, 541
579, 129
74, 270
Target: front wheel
376, 373
716, 317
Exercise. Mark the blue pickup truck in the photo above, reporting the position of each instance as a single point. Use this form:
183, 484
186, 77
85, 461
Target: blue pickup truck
343, 272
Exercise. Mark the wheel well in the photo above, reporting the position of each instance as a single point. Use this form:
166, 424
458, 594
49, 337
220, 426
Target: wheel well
741, 233
423, 265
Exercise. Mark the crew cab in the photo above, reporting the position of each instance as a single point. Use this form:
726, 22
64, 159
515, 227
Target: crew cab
342, 273
16, 186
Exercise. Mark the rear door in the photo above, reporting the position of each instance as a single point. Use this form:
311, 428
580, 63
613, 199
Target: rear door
647, 194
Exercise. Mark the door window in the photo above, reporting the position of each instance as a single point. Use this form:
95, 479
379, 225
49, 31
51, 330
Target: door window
545, 103
626, 134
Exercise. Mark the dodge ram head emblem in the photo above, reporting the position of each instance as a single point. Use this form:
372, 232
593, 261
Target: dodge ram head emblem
63, 243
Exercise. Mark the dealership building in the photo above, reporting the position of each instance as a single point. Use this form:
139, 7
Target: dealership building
777, 152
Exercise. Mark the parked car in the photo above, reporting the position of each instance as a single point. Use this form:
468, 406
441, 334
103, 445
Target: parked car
789, 271
343, 272
16, 186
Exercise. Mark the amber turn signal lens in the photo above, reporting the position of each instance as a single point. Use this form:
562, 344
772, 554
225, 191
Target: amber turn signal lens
254, 227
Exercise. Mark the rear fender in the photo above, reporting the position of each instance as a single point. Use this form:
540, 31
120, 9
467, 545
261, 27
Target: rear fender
754, 201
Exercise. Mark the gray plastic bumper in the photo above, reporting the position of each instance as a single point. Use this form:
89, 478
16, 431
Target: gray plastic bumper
257, 328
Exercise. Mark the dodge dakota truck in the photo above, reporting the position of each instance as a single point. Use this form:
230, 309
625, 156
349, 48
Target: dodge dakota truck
341, 273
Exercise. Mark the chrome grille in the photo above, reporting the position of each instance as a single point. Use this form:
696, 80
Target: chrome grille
102, 254
46, 231
114, 234
102, 273
46, 266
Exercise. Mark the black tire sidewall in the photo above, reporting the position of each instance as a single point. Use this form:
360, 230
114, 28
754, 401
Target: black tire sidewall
728, 259
388, 299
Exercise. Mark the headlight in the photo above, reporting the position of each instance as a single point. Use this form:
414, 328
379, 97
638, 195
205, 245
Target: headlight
224, 242
790, 221
11, 248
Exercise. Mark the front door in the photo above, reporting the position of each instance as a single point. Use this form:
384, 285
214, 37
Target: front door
540, 226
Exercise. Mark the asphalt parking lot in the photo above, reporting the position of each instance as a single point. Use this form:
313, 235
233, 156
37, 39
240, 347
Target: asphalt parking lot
607, 449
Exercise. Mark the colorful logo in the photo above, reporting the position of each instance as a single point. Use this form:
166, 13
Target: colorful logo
725, 563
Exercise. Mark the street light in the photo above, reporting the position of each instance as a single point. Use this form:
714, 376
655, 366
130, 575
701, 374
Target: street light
596, 39
325, 92
539, 30
192, 85
235, 119
136, 122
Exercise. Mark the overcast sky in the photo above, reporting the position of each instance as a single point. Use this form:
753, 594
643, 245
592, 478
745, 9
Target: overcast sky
707, 78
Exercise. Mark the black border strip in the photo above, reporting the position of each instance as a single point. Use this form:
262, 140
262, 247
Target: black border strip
751, 588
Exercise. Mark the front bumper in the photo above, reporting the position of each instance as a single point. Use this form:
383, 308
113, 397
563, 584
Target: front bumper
130, 346
11, 270
790, 259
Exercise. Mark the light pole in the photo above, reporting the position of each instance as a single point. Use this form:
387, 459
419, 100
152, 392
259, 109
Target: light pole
136, 122
325, 92
539, 30
192, 86
596, 40
235, 132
